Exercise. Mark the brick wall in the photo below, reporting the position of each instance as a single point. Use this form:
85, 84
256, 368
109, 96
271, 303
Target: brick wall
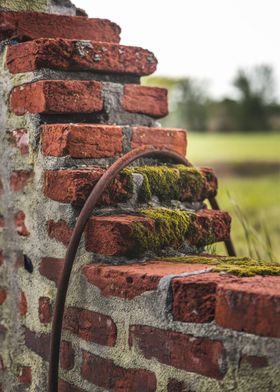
71, 104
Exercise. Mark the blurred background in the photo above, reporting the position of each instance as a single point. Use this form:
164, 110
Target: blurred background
220, 61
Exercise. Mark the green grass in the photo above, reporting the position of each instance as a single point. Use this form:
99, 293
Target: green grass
233, 147
258, 197
259, 200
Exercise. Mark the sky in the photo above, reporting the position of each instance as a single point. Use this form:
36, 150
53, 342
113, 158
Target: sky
205, 39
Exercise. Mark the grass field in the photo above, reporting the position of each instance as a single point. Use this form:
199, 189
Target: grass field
233, 147
258, 197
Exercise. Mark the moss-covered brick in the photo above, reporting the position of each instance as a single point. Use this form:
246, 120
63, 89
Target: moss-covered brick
176, 182
173, 227
240, 266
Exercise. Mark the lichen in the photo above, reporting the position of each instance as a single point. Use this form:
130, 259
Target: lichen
170, 228
173, 182
240, 266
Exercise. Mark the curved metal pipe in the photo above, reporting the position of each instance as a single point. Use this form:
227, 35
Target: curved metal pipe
104, 181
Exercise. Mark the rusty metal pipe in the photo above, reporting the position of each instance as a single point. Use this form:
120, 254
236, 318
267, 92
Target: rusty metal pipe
104, 181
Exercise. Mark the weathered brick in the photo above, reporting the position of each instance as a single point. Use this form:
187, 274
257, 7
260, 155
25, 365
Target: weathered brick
20, 139
91, 326
70, 55
51, 268
19, 179
194, 297
67, 355
81, 140
3, 295
45, 310
74, 186
21, 228
1, 257
130, 280
25, 26
57, 96
169, 138
250, 305
114, 235
146, 100
25, 376
22, 304
64, 386
59, 231
193, 354
37, 342
210, 226
254, 361
105, 374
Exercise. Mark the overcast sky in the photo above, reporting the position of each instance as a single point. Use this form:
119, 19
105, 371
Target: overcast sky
208, 39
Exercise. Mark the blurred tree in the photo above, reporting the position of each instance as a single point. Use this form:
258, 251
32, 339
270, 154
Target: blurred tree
256, 88
255, 107
188, 99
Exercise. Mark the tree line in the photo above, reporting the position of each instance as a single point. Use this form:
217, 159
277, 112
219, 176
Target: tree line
254, 106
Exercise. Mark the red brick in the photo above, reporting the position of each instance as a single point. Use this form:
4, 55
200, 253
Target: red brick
51, 268
82, 140
59, 231
32, 25
114, 235
19, 179
67, 355
20, 139
254, 361
210, 226
75, 185
39, 343
105, 374
194, 297
146, 100
64, 386
250, 305
25, 376
69, 55
57, 96
187, 352
22, 304
20, 224
169, 138
130, 280
45, 310
91, 326
3, 295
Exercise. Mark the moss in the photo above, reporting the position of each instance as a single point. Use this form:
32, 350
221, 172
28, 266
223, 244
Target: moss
171, 227
169, 182
240, 266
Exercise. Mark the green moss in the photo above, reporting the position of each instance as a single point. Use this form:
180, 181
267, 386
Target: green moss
240, 266
169, 182
171, 227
